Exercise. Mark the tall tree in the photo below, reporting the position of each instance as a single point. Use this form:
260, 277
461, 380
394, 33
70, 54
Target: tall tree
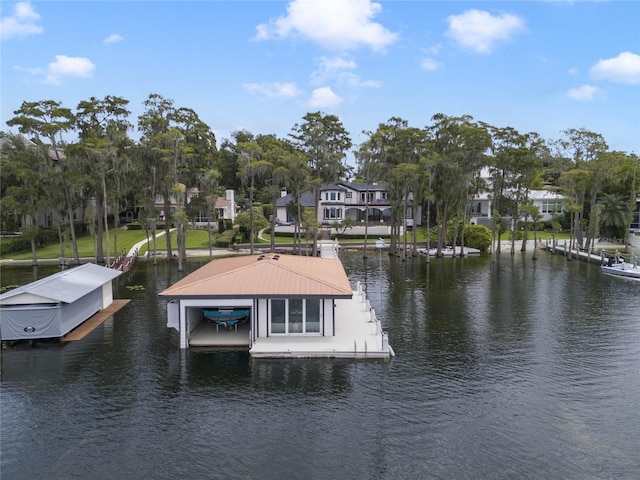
160, 141
392, 144
25, 180
49, 119
102, 126
252, 168
580, 146
460, 145
325, 142
275, 151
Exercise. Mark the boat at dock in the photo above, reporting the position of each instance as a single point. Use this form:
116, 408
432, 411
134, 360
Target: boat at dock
226, 317
617, 266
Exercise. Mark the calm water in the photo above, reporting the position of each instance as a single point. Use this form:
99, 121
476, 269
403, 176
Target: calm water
507, 370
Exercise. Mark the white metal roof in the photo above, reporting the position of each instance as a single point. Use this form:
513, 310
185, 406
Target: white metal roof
66, 286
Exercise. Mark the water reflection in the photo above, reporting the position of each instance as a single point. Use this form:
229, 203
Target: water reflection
505, 369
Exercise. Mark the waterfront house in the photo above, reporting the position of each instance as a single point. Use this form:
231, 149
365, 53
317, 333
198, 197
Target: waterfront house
358, 201
275, 306
55, 305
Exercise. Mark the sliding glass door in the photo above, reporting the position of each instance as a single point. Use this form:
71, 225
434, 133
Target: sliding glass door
295, 316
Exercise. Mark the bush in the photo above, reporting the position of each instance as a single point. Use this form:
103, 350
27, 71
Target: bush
226, 239
477, 236
259, 222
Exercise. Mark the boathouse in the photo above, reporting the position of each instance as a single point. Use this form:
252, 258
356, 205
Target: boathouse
275, 306
53, 306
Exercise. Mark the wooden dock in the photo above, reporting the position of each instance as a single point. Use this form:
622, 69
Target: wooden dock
94, 322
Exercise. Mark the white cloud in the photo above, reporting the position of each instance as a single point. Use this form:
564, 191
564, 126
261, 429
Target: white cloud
330, 67
582, 93
433, 50
332, 24
625, 68
323, 97
479, 31
21, 23
29, 70
274, 89
353, 80
339, 69
113, 38
430, 64
69, 67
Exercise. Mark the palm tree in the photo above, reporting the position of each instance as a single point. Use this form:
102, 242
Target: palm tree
614, 212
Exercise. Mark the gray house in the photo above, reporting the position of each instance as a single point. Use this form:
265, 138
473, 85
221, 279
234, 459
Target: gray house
53, 306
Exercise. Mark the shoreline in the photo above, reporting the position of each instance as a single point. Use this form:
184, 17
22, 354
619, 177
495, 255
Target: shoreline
505, 247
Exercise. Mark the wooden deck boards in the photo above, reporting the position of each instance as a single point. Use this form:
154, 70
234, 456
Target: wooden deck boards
93, 322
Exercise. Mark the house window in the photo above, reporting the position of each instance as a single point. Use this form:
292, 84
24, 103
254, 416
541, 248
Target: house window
333, 196
364, 196
332, 213
383, 195
295, 316
551, 206
348, 194
338, 196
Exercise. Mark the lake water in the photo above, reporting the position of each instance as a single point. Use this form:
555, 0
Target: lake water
512, 369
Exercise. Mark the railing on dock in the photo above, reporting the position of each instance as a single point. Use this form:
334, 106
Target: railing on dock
124, 262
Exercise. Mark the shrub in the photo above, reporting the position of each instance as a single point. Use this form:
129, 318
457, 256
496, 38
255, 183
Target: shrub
226, 239
477, 236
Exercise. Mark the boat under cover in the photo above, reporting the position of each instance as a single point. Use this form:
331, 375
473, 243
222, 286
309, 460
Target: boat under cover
226, 317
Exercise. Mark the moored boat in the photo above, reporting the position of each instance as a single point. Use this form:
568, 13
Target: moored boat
616, 265
226, 317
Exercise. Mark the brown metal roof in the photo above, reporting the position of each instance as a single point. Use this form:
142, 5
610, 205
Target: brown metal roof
222, 202
265, 275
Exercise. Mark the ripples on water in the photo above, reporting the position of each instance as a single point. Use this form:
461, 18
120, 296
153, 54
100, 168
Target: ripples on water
512, 369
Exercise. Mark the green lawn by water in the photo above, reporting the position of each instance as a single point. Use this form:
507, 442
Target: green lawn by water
197, 239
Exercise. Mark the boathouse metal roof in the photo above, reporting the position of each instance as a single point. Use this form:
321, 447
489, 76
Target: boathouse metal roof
267, 275
66, 286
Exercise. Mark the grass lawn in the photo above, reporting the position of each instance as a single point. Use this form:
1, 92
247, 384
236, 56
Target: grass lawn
197, 239
86, 246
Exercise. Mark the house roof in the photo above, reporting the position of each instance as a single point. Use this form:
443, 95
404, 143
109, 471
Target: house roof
260, 276
307, 199
222, 202
66, 286
364, 187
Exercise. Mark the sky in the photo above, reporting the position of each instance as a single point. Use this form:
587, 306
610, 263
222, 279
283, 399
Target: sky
536, 66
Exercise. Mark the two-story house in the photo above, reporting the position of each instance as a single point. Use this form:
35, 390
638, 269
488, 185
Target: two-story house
358, 201
549, 203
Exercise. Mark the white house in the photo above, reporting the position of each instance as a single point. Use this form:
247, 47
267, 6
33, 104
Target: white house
549, 203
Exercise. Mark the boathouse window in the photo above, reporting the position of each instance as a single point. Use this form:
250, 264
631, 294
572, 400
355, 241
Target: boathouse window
312, 315
295, 316
278, 316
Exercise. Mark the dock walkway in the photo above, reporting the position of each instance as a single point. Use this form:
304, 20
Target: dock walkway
94, 322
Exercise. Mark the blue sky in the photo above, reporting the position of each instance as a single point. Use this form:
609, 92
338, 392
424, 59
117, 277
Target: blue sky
536, 66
